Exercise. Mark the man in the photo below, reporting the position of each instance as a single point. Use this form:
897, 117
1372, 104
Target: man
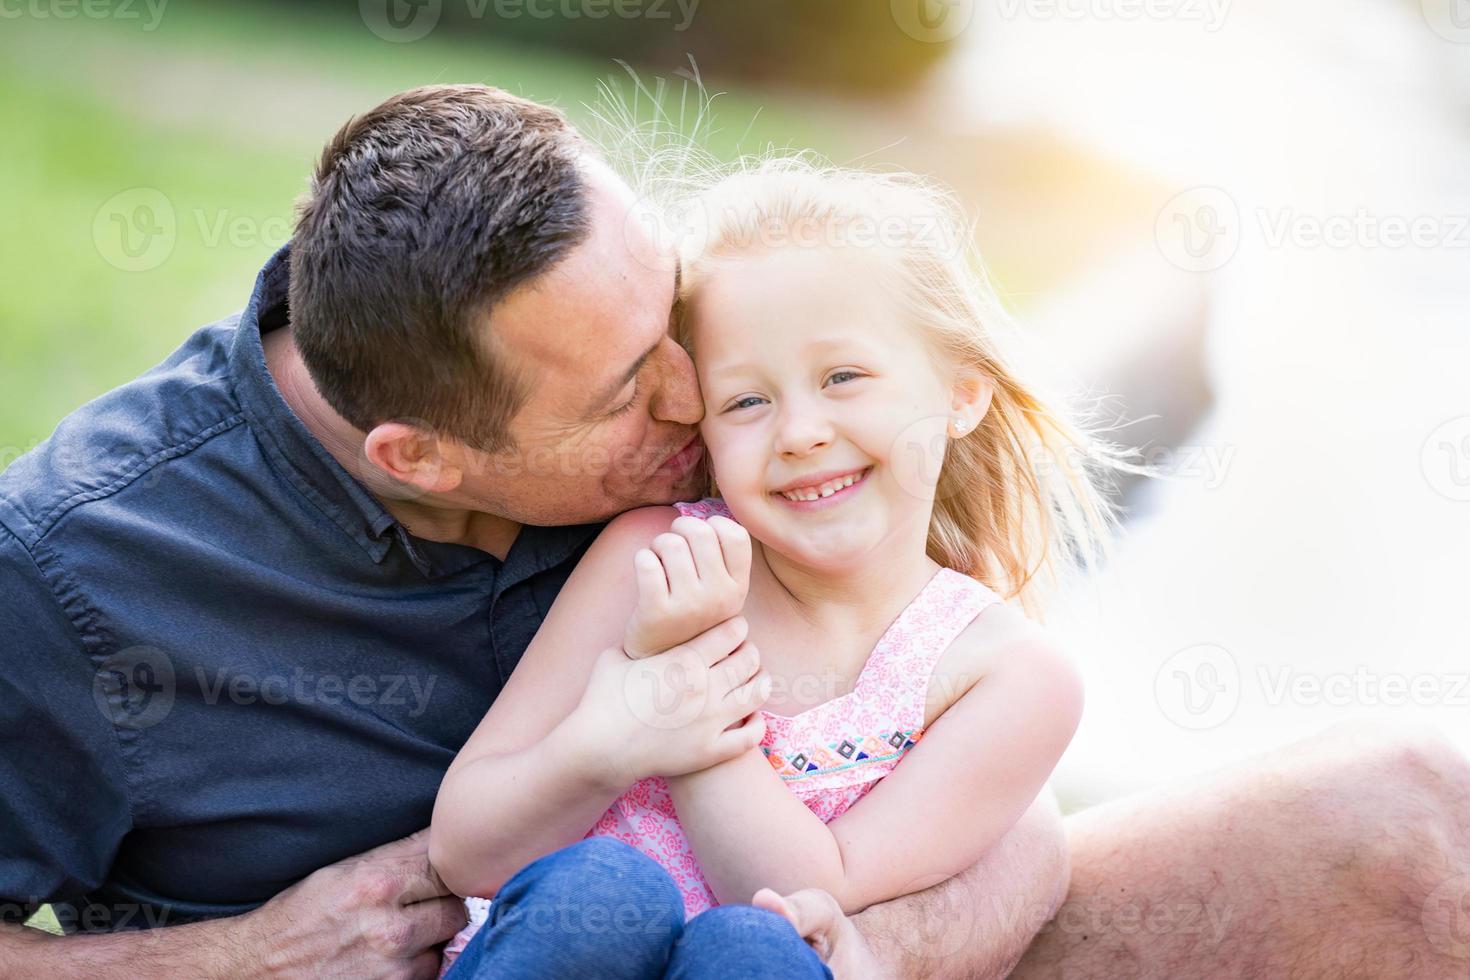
255, 600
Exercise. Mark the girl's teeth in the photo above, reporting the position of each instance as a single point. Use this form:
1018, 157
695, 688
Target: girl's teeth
823, 490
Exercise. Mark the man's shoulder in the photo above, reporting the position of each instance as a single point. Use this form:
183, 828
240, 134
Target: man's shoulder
119, 438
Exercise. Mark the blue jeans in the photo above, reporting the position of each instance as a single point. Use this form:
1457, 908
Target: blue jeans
602, 909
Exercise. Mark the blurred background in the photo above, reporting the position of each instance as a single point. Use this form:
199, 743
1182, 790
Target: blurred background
1245, 224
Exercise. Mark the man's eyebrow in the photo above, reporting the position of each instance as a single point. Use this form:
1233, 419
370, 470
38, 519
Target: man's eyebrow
632, 372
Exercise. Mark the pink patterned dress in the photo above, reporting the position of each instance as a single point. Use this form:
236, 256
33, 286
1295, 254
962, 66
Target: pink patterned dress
831, 755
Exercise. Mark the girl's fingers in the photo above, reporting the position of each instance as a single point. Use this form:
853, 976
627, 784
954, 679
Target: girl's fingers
704, 545
741, 667
735, 546
649, 571
751, 694
747, 736
673, 551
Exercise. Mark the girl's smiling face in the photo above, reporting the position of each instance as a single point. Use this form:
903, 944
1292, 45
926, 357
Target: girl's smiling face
826, 413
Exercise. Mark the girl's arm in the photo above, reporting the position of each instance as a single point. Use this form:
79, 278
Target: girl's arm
972, 775
541, 767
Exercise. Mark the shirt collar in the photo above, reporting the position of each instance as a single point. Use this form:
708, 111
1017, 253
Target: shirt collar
298, 455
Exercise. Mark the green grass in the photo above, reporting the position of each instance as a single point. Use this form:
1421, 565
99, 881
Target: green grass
219, 113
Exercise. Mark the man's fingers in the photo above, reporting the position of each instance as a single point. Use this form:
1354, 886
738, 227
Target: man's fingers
435, 921
425, 966
716, 643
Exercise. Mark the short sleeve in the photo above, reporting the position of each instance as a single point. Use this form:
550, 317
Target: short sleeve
64, 804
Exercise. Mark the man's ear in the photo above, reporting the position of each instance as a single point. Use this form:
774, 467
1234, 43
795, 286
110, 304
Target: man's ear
413, 457
973, 391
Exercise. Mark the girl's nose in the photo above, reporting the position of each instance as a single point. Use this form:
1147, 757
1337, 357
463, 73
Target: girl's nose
802, 432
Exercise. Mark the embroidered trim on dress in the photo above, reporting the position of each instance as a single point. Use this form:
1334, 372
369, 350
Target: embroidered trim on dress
844, 754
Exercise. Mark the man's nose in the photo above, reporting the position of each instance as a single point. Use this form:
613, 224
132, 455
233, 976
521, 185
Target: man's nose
677, 398
802, 430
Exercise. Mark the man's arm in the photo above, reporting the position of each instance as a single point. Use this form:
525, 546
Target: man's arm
976, 925
376, 916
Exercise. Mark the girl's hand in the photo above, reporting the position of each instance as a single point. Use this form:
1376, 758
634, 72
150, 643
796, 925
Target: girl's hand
817, 918
689, 708
693, 577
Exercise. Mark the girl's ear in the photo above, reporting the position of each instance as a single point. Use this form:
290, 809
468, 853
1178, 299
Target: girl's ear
971, 400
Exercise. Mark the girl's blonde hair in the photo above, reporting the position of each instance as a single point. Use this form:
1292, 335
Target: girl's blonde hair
1020, 499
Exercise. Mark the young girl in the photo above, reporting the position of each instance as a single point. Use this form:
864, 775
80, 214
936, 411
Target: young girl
885, 480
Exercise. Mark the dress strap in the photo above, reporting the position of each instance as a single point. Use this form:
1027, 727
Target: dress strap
704, 509
902, 664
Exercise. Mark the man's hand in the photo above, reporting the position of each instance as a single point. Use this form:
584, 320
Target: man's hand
383, 914
818, 919
691, 578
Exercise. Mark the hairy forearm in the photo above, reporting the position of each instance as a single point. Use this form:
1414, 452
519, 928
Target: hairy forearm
214, 949
978, 924
496, 814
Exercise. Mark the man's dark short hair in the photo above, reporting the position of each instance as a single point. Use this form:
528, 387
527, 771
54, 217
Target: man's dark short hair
422, 214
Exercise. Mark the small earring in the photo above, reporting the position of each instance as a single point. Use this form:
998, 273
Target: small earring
960, 425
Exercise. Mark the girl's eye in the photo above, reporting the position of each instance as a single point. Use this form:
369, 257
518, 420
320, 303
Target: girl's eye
748, 401
840, 377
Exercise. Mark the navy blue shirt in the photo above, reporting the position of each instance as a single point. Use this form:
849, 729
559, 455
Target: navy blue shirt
223, 664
